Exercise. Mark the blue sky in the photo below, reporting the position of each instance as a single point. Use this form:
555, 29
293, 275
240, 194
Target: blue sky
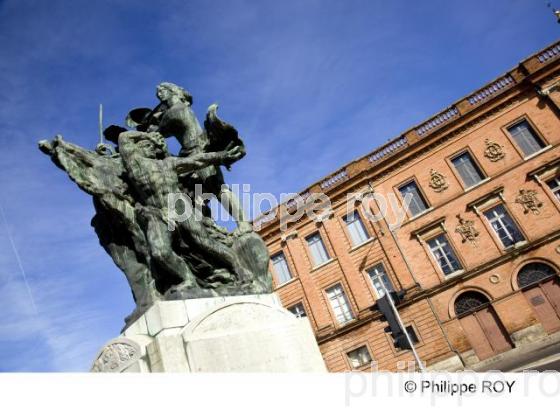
309, 84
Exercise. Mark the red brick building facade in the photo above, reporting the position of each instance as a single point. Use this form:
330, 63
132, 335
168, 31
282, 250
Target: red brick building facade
478, 250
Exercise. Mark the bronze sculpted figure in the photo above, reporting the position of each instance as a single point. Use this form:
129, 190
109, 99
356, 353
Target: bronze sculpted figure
132, 185
174, 117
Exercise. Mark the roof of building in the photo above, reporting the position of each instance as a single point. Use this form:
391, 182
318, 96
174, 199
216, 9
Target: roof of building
420, 132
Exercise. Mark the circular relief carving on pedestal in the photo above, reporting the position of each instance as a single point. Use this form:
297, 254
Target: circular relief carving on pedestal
116, 355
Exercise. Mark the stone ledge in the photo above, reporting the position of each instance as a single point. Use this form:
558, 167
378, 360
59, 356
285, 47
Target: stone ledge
511, 360
450, 364
237, 333
177, 313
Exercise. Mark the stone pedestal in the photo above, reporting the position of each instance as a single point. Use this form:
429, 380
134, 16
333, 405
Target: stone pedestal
251, 333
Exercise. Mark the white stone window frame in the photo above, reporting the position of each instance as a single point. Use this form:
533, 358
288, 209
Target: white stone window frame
343, 296
505, 130
397, 190
556, 189
276, 272
446, 258
308, 310
370, 279
431, 231
491, 200
543, 175
355, 348
288, 256
297, 313
360, 222
477, 163
314, 263
498, 219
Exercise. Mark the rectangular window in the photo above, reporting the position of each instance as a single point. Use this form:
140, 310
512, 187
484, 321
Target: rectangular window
356, 228
503, 225
339, 304
412, 335
359, 357
526, 138
298, 310
554, 185
281, 269
444, 255
377, 274
317, 248
467, 168
417, 202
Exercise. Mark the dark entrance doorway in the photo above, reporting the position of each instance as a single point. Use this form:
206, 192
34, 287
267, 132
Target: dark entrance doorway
481, 324
540, 286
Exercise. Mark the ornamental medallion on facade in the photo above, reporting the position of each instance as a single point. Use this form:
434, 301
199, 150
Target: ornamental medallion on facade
494, 151
437, 181
528, 199
467, 230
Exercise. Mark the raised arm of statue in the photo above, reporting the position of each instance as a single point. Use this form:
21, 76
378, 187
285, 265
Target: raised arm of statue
94, 173
103, 177
193, 162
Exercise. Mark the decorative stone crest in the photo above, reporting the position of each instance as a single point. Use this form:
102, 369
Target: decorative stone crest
528, 199
467, 230
437, 181
494, 151
116, 356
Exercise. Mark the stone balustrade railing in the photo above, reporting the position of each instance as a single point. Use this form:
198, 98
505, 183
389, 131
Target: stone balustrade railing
294, 201
334, 180
497, 86
388, 149
263, 219
549, 53
437, 121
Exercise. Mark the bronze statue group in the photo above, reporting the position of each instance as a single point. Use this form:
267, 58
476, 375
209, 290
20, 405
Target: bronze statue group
132, 183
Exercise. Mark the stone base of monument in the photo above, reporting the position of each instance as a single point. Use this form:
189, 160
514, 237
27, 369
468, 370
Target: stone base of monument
252, 333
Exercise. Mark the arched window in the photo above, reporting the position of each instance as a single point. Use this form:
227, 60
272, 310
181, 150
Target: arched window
469, 302
533, 273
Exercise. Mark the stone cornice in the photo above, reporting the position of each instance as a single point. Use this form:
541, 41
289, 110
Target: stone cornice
429, 226
449, 123
495, 192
